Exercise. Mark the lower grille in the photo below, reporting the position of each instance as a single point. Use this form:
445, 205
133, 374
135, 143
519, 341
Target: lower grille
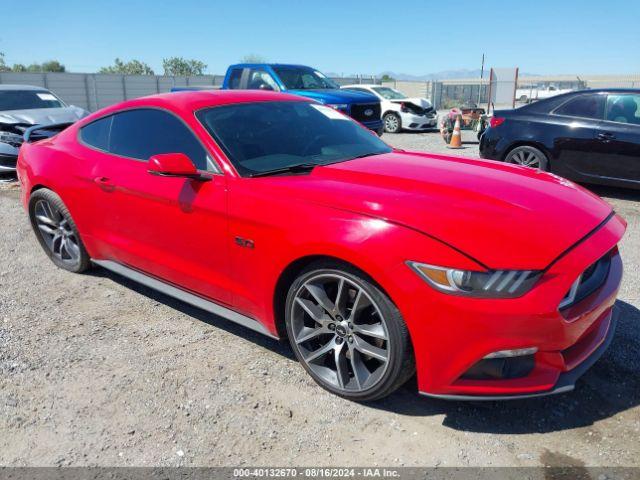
365, 112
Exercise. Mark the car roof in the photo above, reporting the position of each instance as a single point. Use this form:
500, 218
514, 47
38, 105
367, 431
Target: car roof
23, 87
189, 101
286, 65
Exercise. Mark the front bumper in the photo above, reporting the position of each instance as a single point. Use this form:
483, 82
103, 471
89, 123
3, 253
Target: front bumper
8, 157
458, 332
417, 122
374, 125
567, 380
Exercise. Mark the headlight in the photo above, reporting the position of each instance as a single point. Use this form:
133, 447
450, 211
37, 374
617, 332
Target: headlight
338, 106
489, 284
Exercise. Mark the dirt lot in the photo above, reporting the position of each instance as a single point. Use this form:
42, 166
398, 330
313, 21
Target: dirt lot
97, 371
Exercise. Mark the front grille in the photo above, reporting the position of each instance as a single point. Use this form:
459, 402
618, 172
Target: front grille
11, 138
359, 112
587, 283
8, 161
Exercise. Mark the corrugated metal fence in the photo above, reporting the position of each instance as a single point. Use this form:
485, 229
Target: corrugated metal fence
95, 91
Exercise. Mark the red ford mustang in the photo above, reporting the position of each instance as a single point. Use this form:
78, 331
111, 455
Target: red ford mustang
489, 280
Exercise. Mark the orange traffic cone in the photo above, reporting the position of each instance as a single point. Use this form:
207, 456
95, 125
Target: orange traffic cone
456, 139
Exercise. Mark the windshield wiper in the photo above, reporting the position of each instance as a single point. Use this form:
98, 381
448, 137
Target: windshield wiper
297, 168
370, 154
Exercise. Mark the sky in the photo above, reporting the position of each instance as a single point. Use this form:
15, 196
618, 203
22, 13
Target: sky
345, 37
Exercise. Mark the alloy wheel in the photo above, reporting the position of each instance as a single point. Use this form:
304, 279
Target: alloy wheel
340, 332
527, 158
56, 232
391, 123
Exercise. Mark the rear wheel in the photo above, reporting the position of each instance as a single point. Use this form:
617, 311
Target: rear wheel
392, 122
528, 156
347, 333
57, 232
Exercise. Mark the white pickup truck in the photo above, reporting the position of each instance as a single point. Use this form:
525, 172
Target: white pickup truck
532, 93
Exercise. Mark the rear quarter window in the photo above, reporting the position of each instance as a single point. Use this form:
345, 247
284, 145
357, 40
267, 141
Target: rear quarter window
96, 134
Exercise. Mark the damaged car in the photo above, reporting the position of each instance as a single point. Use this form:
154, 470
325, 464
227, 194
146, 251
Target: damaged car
23, 107
400, 112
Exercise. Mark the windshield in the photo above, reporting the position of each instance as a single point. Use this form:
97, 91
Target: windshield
27, 100
267, 136
389, 93
301, 78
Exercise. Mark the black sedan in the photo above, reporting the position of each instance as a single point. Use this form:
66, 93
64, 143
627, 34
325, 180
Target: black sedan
589, 136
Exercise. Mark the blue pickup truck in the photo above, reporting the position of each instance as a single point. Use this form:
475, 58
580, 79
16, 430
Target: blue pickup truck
307, 82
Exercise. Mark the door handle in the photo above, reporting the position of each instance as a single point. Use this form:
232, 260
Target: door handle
606, 136
105, 184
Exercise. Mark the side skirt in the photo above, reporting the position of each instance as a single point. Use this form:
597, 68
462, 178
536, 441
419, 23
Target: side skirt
185, 296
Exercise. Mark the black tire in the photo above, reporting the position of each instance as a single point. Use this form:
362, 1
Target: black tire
73, 259
392, 122
400, 364
528, 156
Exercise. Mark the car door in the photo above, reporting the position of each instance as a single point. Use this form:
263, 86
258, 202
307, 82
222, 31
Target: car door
619, 138
169, 227
575, 125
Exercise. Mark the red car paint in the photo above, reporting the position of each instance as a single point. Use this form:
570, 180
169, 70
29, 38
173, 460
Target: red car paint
375, 213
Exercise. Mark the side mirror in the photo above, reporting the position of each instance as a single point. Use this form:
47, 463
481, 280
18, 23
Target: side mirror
174, 165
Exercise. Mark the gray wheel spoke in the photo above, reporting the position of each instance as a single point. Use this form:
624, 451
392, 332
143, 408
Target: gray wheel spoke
46, 220
320, 351
309, 333
342, 373
375, 330
360, 372
320, 296
47, 229
365, 347
313, 310
361, 302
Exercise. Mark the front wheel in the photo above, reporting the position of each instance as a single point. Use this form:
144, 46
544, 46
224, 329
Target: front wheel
56, 231
392, 123
528, 156
347, 333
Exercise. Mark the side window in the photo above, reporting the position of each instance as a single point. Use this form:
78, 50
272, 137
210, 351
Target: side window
261, 80
624, 108
96, 134
584, 106
234, 78
143, 133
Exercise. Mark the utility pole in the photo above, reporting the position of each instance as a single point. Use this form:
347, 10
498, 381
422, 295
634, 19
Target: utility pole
481, 76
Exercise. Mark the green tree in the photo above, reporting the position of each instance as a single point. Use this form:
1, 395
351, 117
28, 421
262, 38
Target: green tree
18, 67
387, 78
182, 67
253, 58
3, 66
53, 66
50, 66
132, 67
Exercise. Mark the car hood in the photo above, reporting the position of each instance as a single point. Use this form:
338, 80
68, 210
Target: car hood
420, 102
41, 116
503, 216
336, 96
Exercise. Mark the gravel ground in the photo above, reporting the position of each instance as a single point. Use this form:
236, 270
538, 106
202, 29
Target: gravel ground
95, 370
